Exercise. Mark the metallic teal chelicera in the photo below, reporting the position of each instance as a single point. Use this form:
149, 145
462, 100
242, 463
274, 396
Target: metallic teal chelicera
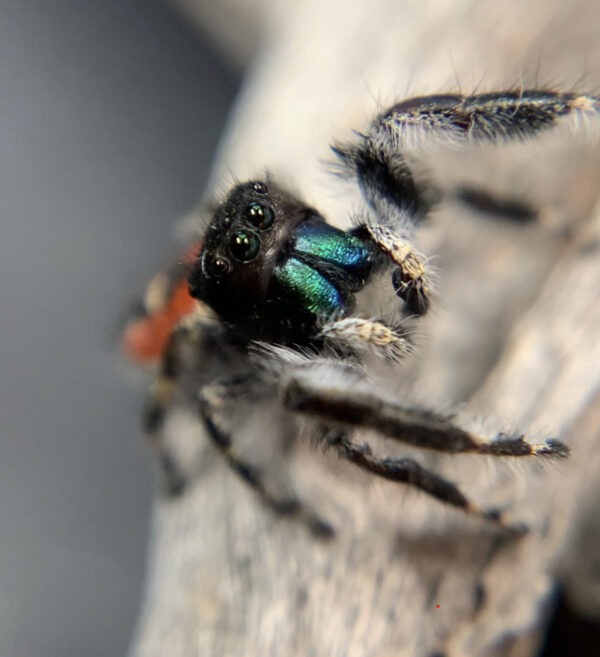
309, 289
318, 239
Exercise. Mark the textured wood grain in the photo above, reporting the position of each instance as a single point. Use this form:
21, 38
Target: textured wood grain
515, 336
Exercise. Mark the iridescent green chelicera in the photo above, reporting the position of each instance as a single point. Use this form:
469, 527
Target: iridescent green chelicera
320, 240
307, 288
325, 264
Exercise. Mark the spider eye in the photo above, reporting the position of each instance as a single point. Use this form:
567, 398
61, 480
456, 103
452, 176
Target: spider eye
259, 188
260, 216
244, 245
217, 267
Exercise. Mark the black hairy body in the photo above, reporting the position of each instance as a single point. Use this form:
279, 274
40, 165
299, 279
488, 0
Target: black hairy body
283, 284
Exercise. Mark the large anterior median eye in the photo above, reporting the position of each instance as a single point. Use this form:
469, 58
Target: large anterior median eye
244, 245
259, 215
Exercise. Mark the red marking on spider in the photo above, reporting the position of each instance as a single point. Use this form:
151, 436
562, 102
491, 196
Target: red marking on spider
145, 338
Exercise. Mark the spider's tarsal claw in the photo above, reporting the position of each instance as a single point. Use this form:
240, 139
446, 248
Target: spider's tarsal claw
507, 445
553, 447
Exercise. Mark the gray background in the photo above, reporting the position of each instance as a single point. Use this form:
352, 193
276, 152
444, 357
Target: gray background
109, 115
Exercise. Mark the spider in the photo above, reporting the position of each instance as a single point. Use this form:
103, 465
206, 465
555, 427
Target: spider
285, 288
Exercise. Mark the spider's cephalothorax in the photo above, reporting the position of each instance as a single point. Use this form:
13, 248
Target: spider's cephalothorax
275, 272
271, 266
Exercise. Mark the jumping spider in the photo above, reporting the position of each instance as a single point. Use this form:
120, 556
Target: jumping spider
283, 284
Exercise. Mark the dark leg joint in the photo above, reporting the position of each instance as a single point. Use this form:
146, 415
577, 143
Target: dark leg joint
218, 437
175, 482
152, 418
411, 291
249, 474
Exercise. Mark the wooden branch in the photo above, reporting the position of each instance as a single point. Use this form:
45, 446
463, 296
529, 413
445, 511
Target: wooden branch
516, 331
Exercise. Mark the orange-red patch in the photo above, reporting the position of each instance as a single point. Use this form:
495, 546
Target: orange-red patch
145, 338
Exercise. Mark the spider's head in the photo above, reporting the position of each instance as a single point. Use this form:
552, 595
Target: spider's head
270, 265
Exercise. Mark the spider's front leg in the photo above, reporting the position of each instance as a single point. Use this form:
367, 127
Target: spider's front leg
348, 402
378, 161
378, 158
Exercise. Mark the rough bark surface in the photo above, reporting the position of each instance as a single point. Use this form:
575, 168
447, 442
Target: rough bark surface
515, 338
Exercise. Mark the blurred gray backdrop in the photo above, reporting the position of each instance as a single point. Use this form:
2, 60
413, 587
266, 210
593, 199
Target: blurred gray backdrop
109, 115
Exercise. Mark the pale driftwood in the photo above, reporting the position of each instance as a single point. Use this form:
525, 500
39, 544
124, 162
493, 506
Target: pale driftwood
517, 332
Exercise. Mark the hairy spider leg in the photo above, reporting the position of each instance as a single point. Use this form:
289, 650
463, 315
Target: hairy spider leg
348, 406
212, 404
351, 406
387, 183
388, 186
410, 277
408, 471
212, 400
389, 341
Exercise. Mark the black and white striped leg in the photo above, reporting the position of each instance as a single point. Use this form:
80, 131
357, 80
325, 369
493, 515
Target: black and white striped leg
378, 159
410, 277
190, 331
351, 407
213, 402
407, 471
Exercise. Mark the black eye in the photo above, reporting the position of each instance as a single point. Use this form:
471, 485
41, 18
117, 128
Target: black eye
244, 245
260, 215
217, 267
259, 188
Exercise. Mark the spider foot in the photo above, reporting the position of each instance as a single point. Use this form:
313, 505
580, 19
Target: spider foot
507, 445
